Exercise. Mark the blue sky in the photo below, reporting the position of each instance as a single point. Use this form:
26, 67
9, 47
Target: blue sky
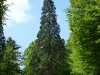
24, 22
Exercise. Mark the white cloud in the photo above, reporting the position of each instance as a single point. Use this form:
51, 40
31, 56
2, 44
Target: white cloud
18, 10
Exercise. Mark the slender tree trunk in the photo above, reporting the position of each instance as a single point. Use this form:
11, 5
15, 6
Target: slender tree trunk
49, 68
49, 54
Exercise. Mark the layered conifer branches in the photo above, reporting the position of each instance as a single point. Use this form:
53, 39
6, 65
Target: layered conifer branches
49, 48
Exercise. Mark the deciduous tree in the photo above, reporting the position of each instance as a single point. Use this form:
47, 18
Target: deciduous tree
83, 17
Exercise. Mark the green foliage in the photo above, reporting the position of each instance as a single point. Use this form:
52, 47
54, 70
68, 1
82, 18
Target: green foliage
11, 58
67, 60
27, 59
2, 38
49, 51
83, 17
3, 9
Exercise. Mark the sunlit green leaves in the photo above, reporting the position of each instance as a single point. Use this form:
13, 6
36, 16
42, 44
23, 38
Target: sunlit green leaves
83, 17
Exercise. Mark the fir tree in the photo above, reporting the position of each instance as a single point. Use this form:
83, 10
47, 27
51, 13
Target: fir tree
49, 50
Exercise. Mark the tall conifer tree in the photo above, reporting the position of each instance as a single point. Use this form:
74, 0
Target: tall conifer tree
3, 9
49, 50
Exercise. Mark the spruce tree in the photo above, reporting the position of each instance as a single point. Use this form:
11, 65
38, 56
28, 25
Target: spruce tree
83, 18
49, 50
